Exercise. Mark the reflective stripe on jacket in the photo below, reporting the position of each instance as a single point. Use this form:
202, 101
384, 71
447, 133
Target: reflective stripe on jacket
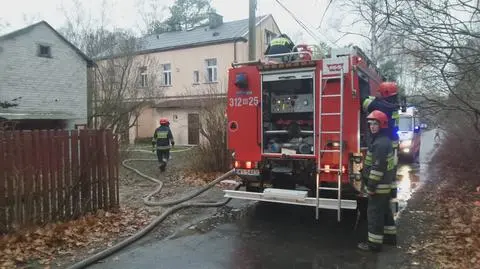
379, 164
162, 137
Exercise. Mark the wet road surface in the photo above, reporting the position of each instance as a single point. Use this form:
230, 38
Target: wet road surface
270, 236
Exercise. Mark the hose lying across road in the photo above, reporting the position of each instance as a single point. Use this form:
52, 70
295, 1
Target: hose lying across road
177, 205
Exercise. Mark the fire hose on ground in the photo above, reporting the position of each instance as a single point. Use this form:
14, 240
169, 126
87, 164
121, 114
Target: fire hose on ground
177, 205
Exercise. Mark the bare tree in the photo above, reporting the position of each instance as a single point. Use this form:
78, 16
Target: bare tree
212, 153
125, 83
369, 17
443, 38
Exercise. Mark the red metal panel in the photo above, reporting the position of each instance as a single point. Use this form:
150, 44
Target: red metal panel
244, 111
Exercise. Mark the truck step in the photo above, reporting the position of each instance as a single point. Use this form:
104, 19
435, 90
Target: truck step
330, 150
291, 197
331, 114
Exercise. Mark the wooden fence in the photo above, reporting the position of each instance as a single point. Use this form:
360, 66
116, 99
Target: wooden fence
56, 175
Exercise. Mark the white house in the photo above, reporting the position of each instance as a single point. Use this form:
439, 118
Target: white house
47, 75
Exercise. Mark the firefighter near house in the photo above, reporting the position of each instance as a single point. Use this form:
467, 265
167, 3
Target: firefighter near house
297, 130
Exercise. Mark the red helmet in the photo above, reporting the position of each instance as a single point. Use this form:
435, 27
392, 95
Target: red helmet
387, 89
380, 117
164, 121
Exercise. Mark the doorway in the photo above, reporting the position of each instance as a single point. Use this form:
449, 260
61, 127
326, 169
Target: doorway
193, 129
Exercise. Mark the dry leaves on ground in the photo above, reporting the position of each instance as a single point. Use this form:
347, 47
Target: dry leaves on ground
455, 242
43, 244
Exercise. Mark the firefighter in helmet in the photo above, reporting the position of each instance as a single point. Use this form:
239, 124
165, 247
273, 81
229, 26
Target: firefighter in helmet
388, 103
377, 175
280, 45
161, 141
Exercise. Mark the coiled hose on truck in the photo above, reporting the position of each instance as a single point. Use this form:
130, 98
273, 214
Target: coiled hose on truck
177, 205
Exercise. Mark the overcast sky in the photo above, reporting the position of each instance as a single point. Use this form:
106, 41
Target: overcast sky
124, 14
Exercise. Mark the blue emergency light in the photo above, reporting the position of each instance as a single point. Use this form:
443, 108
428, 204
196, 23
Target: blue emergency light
241, 81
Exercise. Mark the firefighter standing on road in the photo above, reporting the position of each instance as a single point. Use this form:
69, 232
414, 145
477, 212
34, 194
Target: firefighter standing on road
387, 102
162, 138
378, 174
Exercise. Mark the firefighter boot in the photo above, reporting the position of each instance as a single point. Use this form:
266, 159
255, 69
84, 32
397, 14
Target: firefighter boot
390, 240
163, 165
367, 246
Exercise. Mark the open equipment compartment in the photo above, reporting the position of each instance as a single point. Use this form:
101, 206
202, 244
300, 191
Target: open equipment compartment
288, 113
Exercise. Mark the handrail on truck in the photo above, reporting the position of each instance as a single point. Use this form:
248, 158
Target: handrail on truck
257, 62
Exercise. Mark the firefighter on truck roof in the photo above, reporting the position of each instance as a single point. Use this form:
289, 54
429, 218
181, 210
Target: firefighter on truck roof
280, 45
387, 102
162, 138
377, 175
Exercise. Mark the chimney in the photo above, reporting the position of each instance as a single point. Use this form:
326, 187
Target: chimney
214, 20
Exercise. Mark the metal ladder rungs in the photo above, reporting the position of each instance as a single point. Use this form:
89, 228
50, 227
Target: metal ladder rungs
330, 150
337, 171
332, 77
331, 95
328, 188
331, 169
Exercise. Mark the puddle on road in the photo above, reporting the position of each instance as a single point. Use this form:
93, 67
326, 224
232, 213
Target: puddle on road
409, 179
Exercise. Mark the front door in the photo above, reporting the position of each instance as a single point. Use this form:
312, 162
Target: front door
193, 129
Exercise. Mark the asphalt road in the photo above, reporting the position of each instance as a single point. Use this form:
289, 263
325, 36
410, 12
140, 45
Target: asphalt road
270, 236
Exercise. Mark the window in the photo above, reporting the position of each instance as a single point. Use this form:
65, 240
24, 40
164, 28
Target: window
211, 70
196, 77
143, 77
167, 74
405, 124
268, 37
44, 51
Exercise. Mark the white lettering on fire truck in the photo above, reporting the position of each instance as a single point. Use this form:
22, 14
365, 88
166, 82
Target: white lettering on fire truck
239, 101
333, 66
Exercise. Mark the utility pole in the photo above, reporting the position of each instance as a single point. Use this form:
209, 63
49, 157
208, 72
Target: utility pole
252, 6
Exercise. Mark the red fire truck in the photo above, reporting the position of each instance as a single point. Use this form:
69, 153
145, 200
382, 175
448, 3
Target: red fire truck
296, 128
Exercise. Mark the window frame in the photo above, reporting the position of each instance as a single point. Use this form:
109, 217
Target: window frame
167, 74
211, 68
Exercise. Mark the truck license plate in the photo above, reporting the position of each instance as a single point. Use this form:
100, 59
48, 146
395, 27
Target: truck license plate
248, 172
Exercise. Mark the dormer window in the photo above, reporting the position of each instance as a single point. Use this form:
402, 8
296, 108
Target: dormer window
44, 51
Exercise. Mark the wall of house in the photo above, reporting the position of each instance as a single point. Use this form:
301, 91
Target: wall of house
56, 85
183, 64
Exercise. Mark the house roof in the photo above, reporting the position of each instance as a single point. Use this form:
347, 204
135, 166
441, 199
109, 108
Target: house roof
198, 36
31, 27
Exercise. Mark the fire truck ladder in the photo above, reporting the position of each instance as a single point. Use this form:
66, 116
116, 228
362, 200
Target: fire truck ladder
339, 151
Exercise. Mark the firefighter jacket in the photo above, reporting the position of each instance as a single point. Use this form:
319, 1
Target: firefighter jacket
378, 172
280, 45
390, 109
162, 138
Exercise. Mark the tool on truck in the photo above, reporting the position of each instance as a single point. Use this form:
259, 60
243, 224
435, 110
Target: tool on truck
296, 129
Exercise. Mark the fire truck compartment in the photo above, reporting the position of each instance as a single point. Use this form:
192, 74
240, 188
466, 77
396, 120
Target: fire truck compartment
288, 113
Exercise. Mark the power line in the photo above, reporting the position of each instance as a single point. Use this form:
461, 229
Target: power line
323, 15
303, 25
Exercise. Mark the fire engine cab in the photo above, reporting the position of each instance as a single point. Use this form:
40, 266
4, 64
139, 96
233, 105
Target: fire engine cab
296, 128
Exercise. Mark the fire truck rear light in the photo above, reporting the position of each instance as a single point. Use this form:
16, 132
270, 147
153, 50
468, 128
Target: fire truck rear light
237, 164
327, 168
248, 165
